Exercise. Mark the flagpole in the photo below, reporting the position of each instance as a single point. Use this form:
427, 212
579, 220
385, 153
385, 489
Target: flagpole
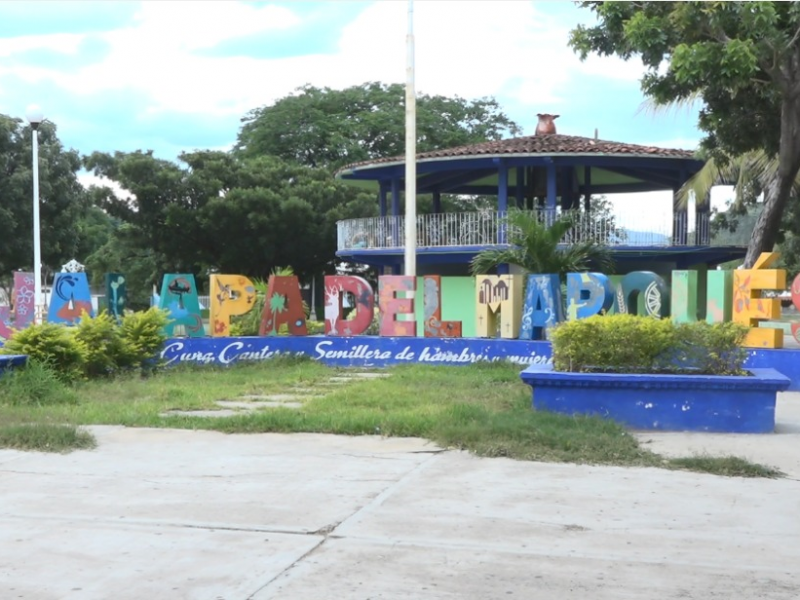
411, 152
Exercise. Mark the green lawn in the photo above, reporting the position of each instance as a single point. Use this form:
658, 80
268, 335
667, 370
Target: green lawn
483, 408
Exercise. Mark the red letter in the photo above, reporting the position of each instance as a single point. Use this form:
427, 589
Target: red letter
391, 305
284, 304
335, 287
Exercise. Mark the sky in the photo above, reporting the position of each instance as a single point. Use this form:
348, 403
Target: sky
178, 76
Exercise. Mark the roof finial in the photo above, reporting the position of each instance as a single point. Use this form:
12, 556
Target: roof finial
596, 134
546, 125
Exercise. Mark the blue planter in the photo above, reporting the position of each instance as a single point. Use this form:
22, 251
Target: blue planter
725, 404
11, 361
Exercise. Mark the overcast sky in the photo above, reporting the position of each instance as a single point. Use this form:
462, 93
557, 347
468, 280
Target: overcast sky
173, 76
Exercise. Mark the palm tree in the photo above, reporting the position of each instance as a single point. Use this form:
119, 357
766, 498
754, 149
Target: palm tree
537, 248
749, 174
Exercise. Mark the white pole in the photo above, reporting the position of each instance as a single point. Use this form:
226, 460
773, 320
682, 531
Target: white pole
411, 151
38, 315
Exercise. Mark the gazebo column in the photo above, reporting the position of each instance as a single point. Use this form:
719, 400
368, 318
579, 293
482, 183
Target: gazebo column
587, 188
382, 198
550, 204
519, 190
502, 202
395, 221
703, 224
437, 202
680, 216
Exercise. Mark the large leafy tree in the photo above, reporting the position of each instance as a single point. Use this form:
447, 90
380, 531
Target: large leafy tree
217, 212
321, 127
62, 204
741, 59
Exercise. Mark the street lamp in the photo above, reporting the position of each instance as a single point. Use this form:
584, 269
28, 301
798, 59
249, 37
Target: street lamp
35, 118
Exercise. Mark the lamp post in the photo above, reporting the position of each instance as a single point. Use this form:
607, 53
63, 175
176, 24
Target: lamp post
35, 118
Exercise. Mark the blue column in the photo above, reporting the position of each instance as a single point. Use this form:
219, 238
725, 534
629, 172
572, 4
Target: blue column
551, 192
382, 198
680, 216
395, 226
502, 201
587, 188
437, 202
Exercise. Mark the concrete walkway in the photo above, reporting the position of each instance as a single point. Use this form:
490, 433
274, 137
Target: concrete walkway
171, 514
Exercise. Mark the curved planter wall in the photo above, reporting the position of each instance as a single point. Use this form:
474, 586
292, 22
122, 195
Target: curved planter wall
663, 402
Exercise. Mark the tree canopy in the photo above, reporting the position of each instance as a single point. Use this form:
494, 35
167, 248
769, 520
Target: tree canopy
740, 59
321, 127
62, 203
219, 213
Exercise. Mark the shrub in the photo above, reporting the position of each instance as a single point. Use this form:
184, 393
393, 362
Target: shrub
35, 384
613, 342
633, 344
143, 336
52, 344
107, 351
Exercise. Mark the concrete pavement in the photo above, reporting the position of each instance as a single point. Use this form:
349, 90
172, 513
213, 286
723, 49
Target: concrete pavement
173, 514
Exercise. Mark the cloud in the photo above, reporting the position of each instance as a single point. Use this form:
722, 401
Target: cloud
177, 75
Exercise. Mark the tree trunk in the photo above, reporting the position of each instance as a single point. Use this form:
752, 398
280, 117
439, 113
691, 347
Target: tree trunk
777, 193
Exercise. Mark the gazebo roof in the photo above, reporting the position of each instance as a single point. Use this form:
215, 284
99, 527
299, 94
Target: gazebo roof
616, 166
543, 145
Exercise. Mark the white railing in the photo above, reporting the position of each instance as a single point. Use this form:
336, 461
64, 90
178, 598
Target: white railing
484, 228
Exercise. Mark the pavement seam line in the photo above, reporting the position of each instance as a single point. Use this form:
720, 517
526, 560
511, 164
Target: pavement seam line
331, 531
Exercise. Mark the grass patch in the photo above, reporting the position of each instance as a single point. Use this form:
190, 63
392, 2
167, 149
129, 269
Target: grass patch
483, 408
45, 437
728, 466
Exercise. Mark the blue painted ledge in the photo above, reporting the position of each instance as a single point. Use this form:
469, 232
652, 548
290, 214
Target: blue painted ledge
11, 361
725, 404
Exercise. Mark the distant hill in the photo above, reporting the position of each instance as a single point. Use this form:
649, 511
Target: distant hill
645, 238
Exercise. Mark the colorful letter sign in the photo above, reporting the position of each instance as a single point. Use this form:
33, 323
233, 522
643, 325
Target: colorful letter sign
432, 301
503, 294
542, 309
749, 307
23, 306
70, 298
335, 288
116, 294
283, 304
179, 299
390, 288
588, 294
231, 295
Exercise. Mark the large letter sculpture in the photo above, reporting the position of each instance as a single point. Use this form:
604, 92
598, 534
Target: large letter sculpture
718, 296
20, 314
588, 294
684, 296
231, 295
363, 312
179, 299
646, 285
391, 305
749, 307
498, 293
284, 304
542, 310
116, 294
432, 305
70, 298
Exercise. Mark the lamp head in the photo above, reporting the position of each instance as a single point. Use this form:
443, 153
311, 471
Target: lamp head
34, 115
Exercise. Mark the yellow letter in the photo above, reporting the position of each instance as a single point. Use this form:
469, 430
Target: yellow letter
749, 307
230, 295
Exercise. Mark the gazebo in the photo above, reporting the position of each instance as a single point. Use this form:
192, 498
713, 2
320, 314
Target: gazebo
550, 173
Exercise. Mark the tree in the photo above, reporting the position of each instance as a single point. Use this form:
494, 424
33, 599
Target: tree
62, 198
742, 59
536, 248
222, 213
321, 127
